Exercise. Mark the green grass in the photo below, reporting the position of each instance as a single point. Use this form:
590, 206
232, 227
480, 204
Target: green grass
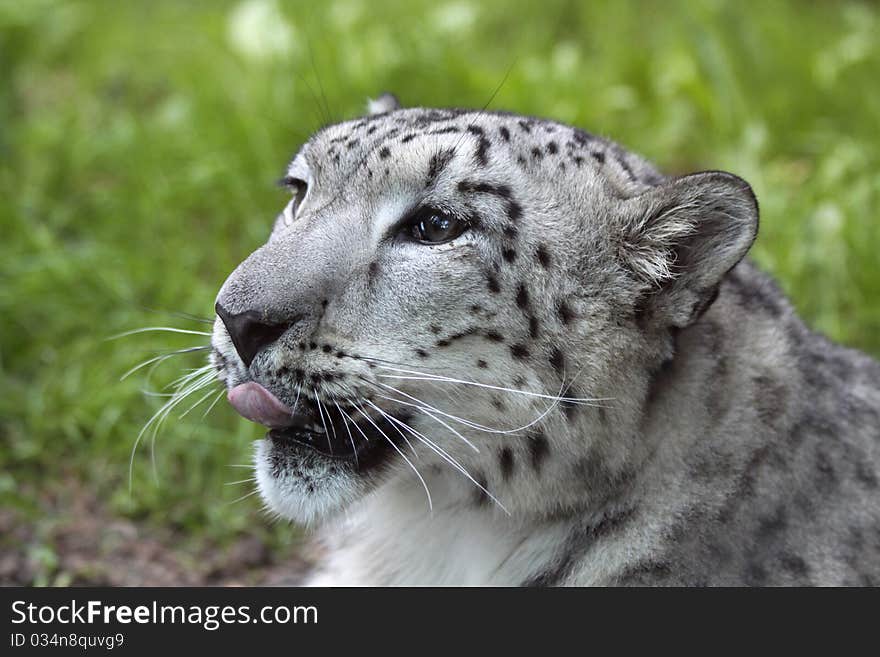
139, 142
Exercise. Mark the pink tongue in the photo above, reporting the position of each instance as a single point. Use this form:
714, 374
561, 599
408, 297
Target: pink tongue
259, 405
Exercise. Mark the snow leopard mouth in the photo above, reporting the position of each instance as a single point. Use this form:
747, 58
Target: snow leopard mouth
336, 429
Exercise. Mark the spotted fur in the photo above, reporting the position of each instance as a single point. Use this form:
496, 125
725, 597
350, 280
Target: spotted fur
723, 442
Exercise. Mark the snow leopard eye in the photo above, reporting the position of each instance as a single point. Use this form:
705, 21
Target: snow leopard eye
298, 188
432, 226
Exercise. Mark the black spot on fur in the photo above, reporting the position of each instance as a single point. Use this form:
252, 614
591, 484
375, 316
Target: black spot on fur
543, 256
439, 161
522, 297
580, 540
492, 284
481, 498
866, 475
794, 564
772, 524
469, 186
442, 343
505, 133
826, 476
755, 574
621, 160
557, 360
524, 126
326, 348
658, 379
519, 382
582, 137
384, 152
539, 448
564, 312
569, 408
534, 326
408, 138
514, 210
482, 364
463, 334
769, 399
552, 148
509, 254
494, 336
537, 153
519, 351
481, 154
599, 156
506, 462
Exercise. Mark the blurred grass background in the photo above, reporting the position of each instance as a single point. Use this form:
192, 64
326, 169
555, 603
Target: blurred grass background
139, 143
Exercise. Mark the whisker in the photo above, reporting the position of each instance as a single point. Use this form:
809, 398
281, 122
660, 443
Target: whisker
165, 329
201, 399
180, 314
240, 481
424, 409
189, 384
451, 460
214, 403
469, 423
196, 385
402, 455
387, 416
354, 424
351, 440
321, 415
161, 358
296, 401
421, 376
243, 497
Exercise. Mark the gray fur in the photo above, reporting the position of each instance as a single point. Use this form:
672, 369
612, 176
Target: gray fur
731, 444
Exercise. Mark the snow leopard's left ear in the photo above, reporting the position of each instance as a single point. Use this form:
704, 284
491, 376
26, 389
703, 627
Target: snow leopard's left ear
682, 237
387, 102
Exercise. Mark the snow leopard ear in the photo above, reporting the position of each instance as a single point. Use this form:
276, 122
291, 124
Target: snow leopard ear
682, 237
387, 102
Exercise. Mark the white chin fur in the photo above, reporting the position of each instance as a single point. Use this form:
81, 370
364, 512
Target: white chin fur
289, 496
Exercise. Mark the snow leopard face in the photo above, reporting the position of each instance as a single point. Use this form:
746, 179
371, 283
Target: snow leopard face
450, 301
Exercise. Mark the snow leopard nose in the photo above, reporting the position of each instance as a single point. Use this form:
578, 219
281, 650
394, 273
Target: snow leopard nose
250, 331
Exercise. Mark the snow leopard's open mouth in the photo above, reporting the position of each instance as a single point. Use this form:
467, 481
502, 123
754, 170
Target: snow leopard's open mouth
337, 429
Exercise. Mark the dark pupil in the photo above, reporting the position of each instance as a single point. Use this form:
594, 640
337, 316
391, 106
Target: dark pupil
436, 228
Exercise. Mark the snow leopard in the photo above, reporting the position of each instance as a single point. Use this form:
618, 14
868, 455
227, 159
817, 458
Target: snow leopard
492, 349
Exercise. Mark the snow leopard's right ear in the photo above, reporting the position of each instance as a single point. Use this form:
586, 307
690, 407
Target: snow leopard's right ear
387, 102
681, 238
